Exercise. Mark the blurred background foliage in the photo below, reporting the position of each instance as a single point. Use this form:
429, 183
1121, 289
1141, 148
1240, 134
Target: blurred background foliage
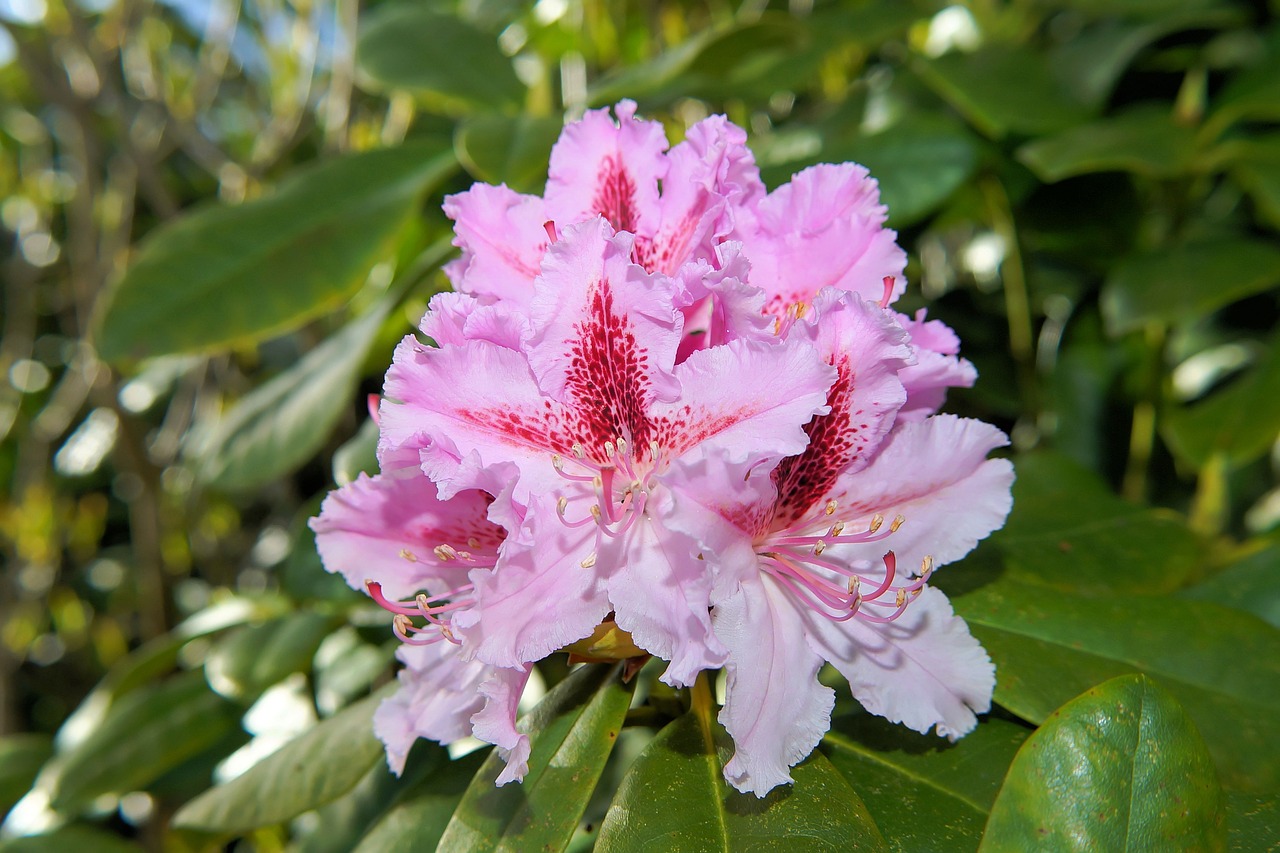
218, 217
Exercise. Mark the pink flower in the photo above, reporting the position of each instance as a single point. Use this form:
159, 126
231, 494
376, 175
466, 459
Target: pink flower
664, 399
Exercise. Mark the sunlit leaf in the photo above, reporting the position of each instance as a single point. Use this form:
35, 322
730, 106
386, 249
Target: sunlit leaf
419, 817
508, 150
412, 46
1222, 665
1119, 768
313, 769
1067, 530
1251, 583
228, 275
572, 731
144, 734
258, 656
923, 791
21, 756
675, 797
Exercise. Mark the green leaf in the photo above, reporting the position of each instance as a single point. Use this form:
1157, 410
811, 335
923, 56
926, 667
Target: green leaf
313, 769
341, 824
74, 837
1221, 664
1261, 180
1253, 822
1251, 584
638, 80
1003, 90
1240, 422
230, 275
675, 798
918, 162
145, 734
1144, 140
253, 658
357, 455
1253, 95
274, 429
1068, 531
1120, 768
572, 731
418, 819
411, 46
21, 757
1187, 282
503, 149
924, 792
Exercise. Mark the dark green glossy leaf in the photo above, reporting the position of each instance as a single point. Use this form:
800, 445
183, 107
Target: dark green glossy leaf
1120, 768
258, 656
340, 825
313, 769
1092, 62
357, 455
1251, 583
1068, 531
275, 428
231, 275
918, 162
74, 837
1239, 422
508, 150
144, 734
1253, 822
675, 798
1187, 282
1222, 665
1003, 90
572, 731
1261, 180
1144, 140
411, 46
1254, 94
418, 819
21, 757
923, 792
645, 78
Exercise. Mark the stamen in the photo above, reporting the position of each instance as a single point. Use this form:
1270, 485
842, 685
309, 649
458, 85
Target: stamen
830, 508
406, 554
888, 291
589, 561
445, 552
819, 547
897, 522
876, 521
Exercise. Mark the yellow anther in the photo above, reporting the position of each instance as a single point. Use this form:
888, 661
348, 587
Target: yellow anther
901, 598
445, 552
557, 462
406, 554
448, 635
853, 584
609, 449
926, 567
561, 505
473, 542
403, 623
595, 512
578, 450
423, 603
836, 529
897, 522
777, 326
830, 508
622, 447
819, 548
589, 561
801, 308
876, 521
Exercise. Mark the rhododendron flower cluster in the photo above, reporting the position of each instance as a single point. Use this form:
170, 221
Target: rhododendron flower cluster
666, 401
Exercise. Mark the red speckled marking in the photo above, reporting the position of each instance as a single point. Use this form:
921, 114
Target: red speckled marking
608, 377
835, 440
616, 195
607, 385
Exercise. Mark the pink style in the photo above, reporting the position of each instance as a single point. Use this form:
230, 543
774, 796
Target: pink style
664, 398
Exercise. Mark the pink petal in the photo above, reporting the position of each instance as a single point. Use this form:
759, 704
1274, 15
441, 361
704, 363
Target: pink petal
921, 670
867, 350
386, 529
439, 693
750, 399
540, 597
774, 708
604, 335
823, 229
455, 318
607, 169
934, 474
661, 593
502, 239
936, 369
495, 723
